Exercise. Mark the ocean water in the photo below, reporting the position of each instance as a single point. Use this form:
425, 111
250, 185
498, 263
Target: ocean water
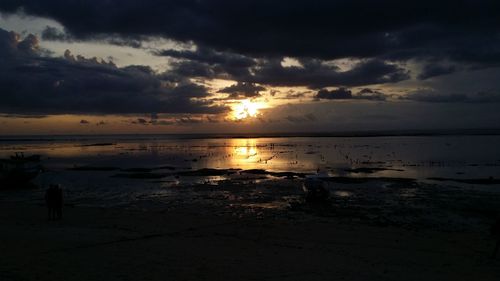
402, 156
419, 157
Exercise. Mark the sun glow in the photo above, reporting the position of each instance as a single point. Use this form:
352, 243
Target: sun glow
246, 109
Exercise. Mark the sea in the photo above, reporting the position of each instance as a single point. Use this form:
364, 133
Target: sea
123, 168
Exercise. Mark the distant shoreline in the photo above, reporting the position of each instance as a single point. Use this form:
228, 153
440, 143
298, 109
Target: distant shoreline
343, 134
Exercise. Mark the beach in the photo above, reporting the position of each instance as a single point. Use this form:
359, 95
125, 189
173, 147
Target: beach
200, 241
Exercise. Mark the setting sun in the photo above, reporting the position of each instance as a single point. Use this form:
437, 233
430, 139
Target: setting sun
246, 109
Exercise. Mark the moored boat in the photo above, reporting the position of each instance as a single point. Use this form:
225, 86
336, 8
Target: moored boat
19, 170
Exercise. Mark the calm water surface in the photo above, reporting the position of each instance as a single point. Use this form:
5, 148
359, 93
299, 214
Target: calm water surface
417, 157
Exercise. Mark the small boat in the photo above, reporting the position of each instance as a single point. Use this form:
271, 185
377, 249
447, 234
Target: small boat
19, 170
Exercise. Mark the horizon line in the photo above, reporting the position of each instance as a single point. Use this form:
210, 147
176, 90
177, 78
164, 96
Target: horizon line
359, 133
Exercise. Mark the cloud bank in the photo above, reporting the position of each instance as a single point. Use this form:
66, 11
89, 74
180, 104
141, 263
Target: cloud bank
31, 83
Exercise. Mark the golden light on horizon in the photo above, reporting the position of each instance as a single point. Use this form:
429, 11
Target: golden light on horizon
246, 109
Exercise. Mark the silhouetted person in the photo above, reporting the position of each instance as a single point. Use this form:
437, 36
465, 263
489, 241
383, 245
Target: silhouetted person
54, 201
495, 230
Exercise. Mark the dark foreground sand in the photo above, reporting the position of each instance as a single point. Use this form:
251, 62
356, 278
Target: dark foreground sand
197, 243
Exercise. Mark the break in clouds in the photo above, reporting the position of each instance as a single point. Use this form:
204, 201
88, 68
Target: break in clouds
388, 51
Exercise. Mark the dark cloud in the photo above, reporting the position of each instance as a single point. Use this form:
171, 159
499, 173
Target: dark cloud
243, 90
346, 94
370, 94
312, 73
33, 84
183, 69
189, 120
337, 94
54, 34
291, 94
11, 45
315, 74
84, 122
208, 63
328, 29
122, 41
211, 57
432, 70
175, 119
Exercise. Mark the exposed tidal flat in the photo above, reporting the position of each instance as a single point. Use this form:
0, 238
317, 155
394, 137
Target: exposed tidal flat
400, 208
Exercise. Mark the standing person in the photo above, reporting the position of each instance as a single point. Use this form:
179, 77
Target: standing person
495, 230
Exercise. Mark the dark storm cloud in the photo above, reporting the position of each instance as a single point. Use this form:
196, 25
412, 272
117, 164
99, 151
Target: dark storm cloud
432, 70
337, 94
208, 63
461, 30
181, 70
11, 46
346, 94
243, 90
315, 74
312, 73
54, 34
370, 94
211, 57
33, 84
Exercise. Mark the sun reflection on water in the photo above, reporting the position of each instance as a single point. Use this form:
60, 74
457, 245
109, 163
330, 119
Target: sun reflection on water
244, 153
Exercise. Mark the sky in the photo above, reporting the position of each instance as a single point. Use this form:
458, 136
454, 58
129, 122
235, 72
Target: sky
220, 66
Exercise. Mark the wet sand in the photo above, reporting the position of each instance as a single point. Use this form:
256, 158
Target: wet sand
199, 242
